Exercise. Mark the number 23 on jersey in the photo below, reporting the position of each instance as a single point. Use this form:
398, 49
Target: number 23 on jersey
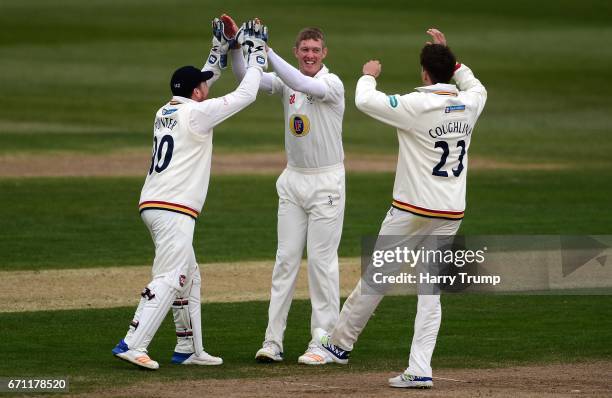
437, 170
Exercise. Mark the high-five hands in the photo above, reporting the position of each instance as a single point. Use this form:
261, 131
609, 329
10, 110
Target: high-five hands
254, 37
220, 45
231, 31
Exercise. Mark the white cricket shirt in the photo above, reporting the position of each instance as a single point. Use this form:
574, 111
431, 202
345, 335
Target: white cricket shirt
313, 127
182, 147
434, 128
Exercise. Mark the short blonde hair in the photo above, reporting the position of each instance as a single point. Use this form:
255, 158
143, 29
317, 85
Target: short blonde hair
308, 34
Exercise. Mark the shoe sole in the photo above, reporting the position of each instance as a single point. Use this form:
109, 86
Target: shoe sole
312, 363
305, 360
138, 365
179, 359
421, 387
196, 363
201, 364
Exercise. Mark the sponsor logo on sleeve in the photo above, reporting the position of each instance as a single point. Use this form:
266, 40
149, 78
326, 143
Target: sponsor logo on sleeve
260, 60
169, 111
212, 59
454, 108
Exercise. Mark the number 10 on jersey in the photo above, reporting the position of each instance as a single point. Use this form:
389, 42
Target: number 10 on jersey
165, 144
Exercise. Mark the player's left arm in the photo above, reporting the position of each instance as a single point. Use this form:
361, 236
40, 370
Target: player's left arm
295, 79
390, 109
214, 69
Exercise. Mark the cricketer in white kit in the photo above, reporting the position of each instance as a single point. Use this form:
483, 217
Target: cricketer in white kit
311, 189
434, 127
172, 197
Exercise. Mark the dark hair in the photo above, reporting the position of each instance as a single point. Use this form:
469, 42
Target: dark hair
310, 33
439, 62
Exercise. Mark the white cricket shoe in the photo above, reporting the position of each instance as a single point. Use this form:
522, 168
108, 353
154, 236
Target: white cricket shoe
270, 352
406, 380
138, 358
332, 351
315, 356
193, 359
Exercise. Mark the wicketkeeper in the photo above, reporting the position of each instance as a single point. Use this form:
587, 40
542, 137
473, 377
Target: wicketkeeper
173, 196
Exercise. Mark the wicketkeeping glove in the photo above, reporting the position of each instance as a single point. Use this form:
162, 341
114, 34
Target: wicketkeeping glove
220, 45
231, 32
254, 45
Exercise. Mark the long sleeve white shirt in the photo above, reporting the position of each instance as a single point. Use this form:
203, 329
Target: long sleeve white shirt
313, 111
182, 147
434, 128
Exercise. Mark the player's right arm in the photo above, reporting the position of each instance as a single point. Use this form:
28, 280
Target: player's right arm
464, 77
296, 79
466, 81
390, 109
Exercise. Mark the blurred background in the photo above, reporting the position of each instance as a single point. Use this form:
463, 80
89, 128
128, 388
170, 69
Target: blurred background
82, 80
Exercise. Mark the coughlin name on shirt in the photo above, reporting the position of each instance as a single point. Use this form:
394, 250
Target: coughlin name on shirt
451, 127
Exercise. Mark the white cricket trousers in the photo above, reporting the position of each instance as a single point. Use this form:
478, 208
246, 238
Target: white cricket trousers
358, 308
310, 213
175, 282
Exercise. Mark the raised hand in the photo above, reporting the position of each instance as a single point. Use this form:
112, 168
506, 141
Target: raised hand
255, 36
372, 68
436, 36
230, 31
220, 45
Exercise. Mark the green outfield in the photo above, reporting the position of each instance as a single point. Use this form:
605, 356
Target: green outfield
475, 334
80, 222
85, 78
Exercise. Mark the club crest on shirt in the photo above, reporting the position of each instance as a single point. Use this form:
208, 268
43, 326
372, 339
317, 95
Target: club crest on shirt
392, 101
299, 125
